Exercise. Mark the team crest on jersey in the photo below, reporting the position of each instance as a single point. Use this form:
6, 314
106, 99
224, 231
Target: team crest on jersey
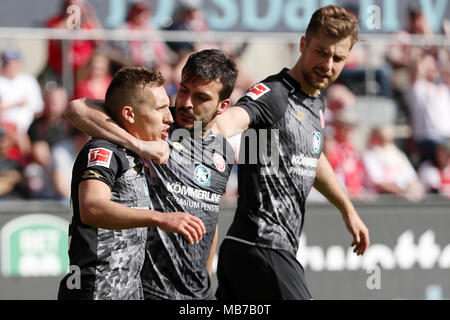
99, 157
202, 174
219, 162
257, 91
317, 141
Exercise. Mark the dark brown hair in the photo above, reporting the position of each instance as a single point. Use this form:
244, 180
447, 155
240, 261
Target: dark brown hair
335, 22
212, 65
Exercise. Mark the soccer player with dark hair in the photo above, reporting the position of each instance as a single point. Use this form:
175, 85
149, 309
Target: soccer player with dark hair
193, 179
257, 259
111, 198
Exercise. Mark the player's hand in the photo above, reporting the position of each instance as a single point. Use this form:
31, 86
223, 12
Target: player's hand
157, 151
191, 227
359, 232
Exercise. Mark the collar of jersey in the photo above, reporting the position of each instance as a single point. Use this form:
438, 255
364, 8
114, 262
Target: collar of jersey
209, 138
292, 84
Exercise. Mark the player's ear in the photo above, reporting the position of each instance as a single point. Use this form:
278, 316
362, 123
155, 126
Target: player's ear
303, 44
223, 106
128, 114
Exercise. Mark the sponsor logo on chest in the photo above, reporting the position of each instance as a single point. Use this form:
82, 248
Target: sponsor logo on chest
202, 174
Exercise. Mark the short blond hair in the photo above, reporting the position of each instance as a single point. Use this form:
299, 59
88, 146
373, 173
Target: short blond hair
335, 22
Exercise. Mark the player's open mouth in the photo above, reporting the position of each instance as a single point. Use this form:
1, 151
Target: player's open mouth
165, 133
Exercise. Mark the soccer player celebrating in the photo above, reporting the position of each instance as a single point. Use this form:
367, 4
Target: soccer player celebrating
193, 179
111, 198
257, 259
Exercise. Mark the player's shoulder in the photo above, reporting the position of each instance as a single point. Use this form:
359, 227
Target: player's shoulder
102, 143
271, 88
102, 152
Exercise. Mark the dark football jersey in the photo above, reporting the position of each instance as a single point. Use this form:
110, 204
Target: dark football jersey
288, 126
193, 181
110, 261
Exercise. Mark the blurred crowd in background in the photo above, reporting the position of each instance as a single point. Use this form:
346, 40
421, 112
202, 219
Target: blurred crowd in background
38, 145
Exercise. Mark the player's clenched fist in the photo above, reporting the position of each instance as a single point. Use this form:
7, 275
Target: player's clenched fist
189, 226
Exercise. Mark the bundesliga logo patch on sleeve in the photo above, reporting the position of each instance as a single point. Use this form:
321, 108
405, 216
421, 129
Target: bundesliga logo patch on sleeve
99, 157
257, 91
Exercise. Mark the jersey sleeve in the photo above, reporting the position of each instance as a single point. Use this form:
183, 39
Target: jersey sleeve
101, 163
261, 106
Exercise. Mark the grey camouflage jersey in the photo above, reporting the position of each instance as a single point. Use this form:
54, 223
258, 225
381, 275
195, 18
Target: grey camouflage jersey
272, 194
193, 181
110, 261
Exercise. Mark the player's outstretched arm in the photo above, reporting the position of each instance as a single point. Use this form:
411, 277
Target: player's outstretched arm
90, 116
327, 184
233, 121
98, 210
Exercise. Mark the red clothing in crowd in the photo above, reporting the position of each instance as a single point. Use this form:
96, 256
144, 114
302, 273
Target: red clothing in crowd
435, 179
146, 53
80, 50
445, 184
85, 89
348, 167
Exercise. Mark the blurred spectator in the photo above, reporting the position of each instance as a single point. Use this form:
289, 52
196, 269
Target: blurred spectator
149, 52
435, 175
44, 132
79, 51
20, 96
63, 154
388, 168
357, 73
189, 16
10, 170
244, 80
172, 81
14, 151
402, 52
338, 97
97, 77
428, 100
344, 157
